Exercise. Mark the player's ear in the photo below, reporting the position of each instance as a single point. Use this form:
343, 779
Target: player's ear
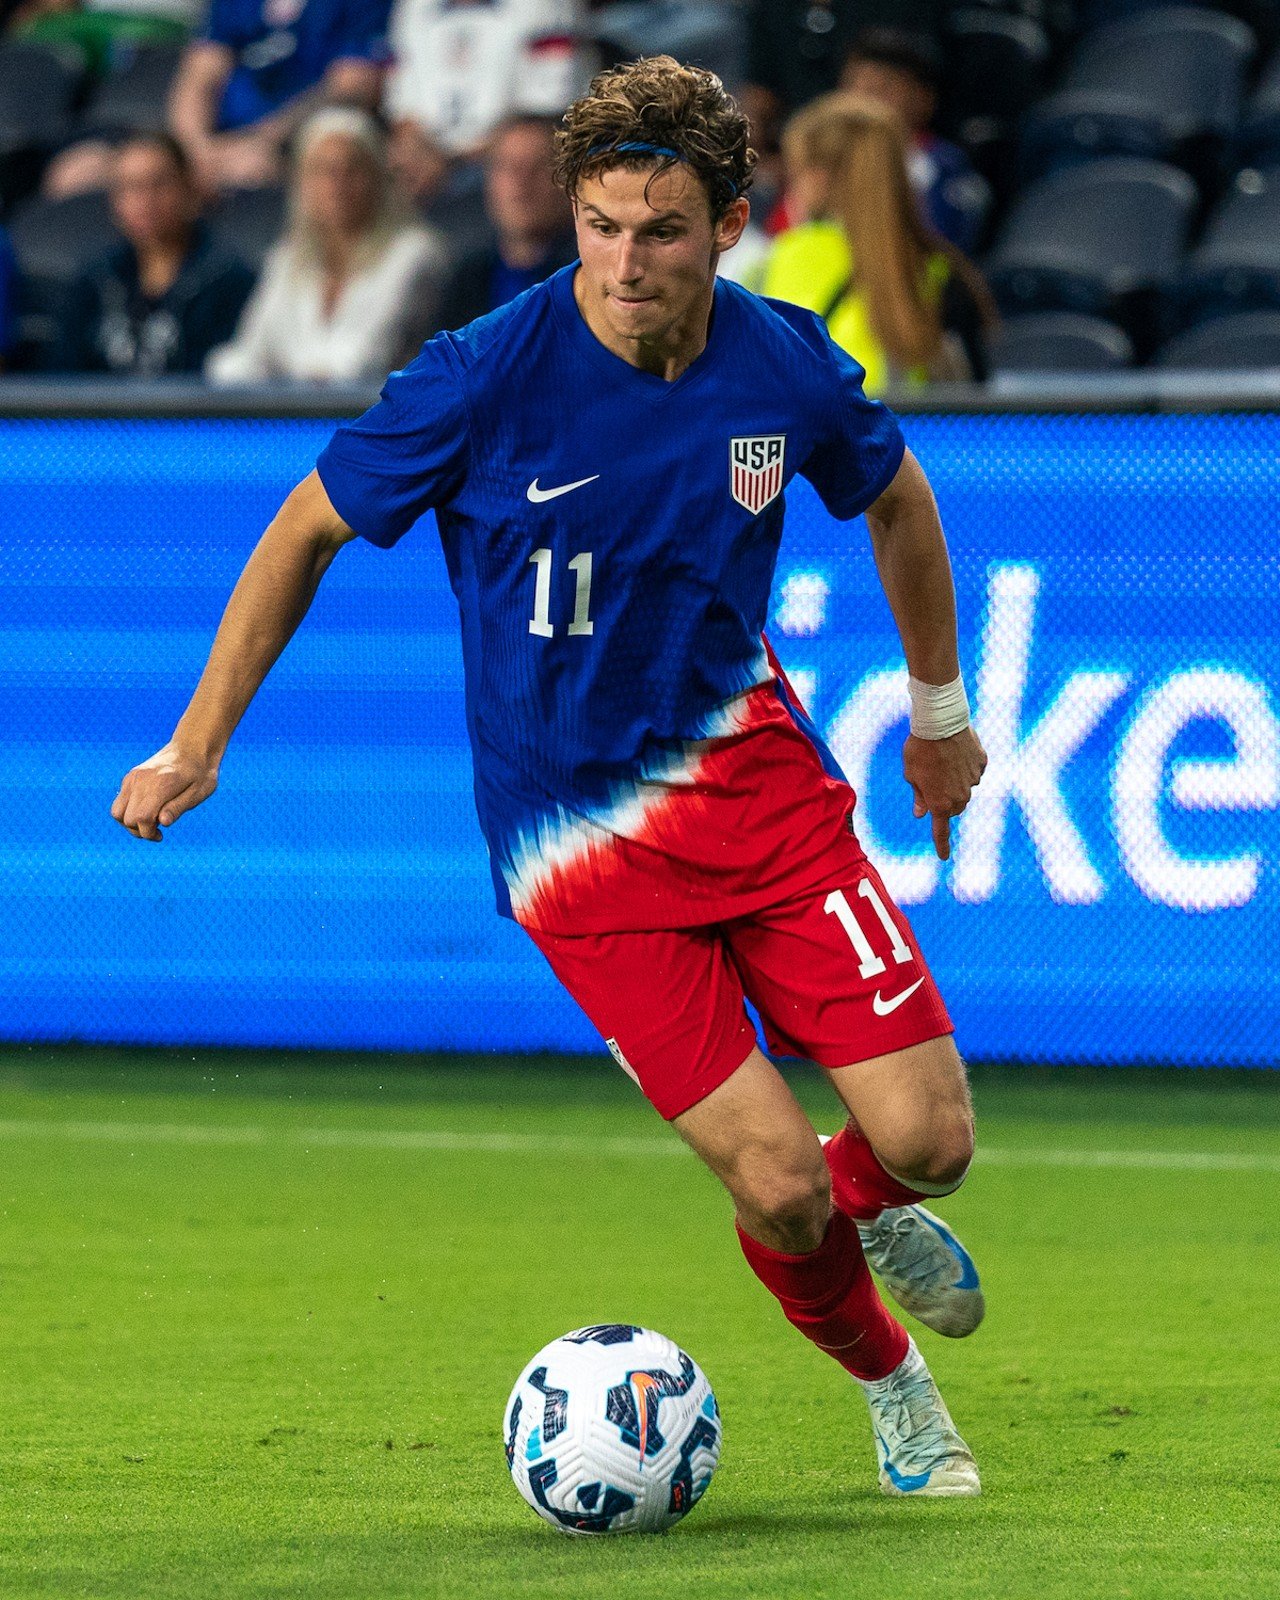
729, 228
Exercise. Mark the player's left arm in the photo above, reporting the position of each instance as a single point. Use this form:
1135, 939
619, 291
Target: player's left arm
915, 572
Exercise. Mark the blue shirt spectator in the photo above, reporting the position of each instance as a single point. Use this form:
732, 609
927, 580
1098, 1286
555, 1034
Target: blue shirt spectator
284, 47
260, 70
247, 84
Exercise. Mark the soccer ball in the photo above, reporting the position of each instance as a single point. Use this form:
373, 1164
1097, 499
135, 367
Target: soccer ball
612, 1429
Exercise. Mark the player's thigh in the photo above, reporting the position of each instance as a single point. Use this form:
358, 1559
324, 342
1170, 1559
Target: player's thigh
838, 977
913, 1106
668, 1004
755, 1137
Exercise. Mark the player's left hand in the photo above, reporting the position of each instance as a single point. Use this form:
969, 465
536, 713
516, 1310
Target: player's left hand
943, 773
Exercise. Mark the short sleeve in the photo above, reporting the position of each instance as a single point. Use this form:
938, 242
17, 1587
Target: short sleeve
863, 448
361, 33
406, 455
224, 25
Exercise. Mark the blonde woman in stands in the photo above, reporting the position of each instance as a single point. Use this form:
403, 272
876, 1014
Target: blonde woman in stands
905, 303
350, 291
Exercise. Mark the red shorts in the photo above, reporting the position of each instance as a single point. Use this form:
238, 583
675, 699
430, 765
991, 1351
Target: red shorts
835, 974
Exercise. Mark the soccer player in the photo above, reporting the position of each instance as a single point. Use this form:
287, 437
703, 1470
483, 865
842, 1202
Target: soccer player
606, 457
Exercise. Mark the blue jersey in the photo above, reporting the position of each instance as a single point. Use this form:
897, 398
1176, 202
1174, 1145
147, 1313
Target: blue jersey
611, 540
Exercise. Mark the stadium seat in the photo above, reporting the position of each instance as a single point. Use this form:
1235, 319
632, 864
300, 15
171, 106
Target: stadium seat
1104, 239
1262, 16
1060, 341
53, 240
1165, 83
996, 67
1236, 266
1259, 138
1056, 17
995, 64
250, 221
134, 95
1249, 341
38, 86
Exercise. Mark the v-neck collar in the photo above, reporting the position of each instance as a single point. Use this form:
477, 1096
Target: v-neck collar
574, 325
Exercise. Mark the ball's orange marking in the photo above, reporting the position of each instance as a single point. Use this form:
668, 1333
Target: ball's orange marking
643, 1383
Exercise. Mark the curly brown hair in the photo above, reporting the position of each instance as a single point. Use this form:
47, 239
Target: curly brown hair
656, 112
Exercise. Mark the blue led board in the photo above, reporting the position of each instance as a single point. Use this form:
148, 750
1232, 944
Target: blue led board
1113, 894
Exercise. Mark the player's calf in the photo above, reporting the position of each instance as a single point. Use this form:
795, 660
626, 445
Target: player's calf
919, 1259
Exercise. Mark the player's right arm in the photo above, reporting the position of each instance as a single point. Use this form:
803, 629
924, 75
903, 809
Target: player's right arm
268, 602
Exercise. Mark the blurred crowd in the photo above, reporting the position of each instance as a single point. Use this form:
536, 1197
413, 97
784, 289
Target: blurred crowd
304, 190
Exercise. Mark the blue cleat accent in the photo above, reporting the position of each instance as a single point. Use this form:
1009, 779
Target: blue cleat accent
903, 1482
918, 1448
968, 1278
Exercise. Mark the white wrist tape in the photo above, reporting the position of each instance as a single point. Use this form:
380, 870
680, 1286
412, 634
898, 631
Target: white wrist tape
938, 709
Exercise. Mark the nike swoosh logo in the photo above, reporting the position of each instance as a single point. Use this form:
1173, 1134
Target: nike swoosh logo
539, 495
882, 1008
968, 1278
906, 1481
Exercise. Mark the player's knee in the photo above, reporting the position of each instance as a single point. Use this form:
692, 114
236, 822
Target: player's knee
787, 1204
939, 1158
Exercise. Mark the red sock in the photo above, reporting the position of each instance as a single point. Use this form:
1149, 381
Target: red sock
829, 1295
860, 1186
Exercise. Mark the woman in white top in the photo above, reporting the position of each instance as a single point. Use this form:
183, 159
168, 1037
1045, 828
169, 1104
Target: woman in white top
350, 290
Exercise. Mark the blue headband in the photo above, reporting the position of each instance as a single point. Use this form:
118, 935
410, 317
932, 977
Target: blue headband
638, 147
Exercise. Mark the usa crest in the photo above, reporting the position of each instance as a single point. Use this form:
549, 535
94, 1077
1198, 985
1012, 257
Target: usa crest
755, 469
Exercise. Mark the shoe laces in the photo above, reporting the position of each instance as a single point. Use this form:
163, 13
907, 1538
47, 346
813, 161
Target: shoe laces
908, 1422
899, 1243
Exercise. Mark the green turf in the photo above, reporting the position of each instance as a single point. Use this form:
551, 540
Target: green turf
252, 1349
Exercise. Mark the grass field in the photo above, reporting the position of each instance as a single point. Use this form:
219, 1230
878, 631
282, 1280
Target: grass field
260, 1315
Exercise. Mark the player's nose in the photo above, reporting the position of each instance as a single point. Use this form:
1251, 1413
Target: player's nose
628, 267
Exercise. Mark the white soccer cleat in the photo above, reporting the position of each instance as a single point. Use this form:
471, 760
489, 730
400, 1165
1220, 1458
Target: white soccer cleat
925, 1268
917, 1445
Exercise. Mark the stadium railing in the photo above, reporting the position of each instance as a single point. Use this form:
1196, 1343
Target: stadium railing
1148, 389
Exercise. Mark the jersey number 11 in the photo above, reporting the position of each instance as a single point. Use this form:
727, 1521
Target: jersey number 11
540, 623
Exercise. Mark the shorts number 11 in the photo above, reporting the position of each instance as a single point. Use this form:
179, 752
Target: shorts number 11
870, 964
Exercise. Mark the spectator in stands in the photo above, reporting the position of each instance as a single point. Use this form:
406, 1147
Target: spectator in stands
350, 290
795, 52
531, 220
904, 71
8, 277
461, 66
903, 301
168, 293
97, 28
245, 86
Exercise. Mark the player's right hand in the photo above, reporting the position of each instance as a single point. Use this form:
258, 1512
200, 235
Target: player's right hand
160, 790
